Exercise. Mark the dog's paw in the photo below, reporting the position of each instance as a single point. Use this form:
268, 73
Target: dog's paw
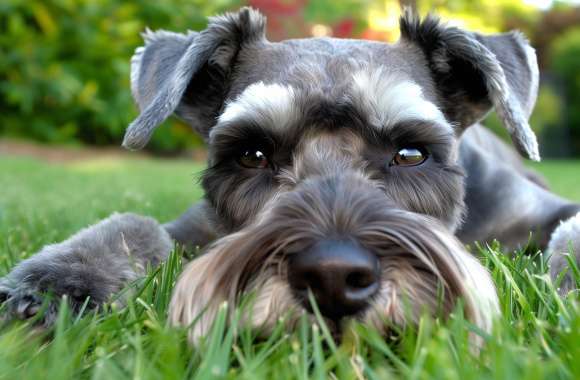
35, 289
564, 247
83, 273
23, 302
88, 268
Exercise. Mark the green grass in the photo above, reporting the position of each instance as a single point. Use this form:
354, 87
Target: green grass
563, 176
40, 203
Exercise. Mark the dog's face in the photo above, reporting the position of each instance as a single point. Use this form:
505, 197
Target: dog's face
333, 164
312, 113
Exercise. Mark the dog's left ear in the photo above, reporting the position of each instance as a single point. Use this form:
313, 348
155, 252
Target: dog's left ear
475, 73
188, 74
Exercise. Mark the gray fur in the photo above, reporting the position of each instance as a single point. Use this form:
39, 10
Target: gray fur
504, 199
330, 152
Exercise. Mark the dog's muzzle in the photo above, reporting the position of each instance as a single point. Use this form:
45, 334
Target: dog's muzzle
342, 240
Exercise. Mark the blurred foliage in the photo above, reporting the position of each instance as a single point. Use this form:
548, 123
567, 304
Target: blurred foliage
485, 16
300, 18
64, 66
565, 58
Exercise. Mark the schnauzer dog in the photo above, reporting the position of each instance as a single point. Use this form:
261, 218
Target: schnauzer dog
342, 171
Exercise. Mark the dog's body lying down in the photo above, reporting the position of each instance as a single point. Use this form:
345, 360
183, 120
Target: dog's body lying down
340, 167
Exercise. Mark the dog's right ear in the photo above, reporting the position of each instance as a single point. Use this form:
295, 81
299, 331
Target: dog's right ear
188, 73
474, 73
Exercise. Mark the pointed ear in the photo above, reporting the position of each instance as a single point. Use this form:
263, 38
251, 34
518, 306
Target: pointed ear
475, 73
188, 74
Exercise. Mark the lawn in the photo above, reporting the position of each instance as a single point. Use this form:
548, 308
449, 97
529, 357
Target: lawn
40, 203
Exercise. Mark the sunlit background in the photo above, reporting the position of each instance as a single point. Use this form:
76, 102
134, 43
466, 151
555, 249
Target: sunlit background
64, 64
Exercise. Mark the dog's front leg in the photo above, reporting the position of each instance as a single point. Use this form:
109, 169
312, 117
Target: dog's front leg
88, 267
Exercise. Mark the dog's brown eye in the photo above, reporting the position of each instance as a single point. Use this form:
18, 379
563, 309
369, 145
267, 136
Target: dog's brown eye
253, 159
409, 157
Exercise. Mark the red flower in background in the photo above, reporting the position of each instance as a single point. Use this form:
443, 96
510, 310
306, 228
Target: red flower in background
289, 19
344, 28
285, 17
278, 7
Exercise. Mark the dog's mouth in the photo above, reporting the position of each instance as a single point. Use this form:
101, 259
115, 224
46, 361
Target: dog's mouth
343, 247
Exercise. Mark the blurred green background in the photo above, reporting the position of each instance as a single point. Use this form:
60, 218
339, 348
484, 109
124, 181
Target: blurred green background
64, 64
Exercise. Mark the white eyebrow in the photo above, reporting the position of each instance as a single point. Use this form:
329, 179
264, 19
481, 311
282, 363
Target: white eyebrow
273, 105
388, 99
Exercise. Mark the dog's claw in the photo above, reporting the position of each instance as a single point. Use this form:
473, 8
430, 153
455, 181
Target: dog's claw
3, 296
28, 306
20, 303
23, 302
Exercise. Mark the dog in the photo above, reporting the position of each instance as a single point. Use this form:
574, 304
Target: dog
346, 172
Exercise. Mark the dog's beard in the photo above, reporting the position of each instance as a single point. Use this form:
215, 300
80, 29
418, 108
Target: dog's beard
423, 268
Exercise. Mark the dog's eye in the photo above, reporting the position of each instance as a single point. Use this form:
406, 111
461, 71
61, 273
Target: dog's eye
253, 159
409, 157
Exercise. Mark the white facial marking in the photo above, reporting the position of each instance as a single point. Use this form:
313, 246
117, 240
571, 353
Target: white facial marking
533, 65
388, 99
271, 101
135, 70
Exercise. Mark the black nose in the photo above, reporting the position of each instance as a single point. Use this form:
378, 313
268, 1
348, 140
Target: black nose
341, 275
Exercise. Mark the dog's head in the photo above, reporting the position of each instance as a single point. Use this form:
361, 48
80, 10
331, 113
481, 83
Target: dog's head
333, 163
